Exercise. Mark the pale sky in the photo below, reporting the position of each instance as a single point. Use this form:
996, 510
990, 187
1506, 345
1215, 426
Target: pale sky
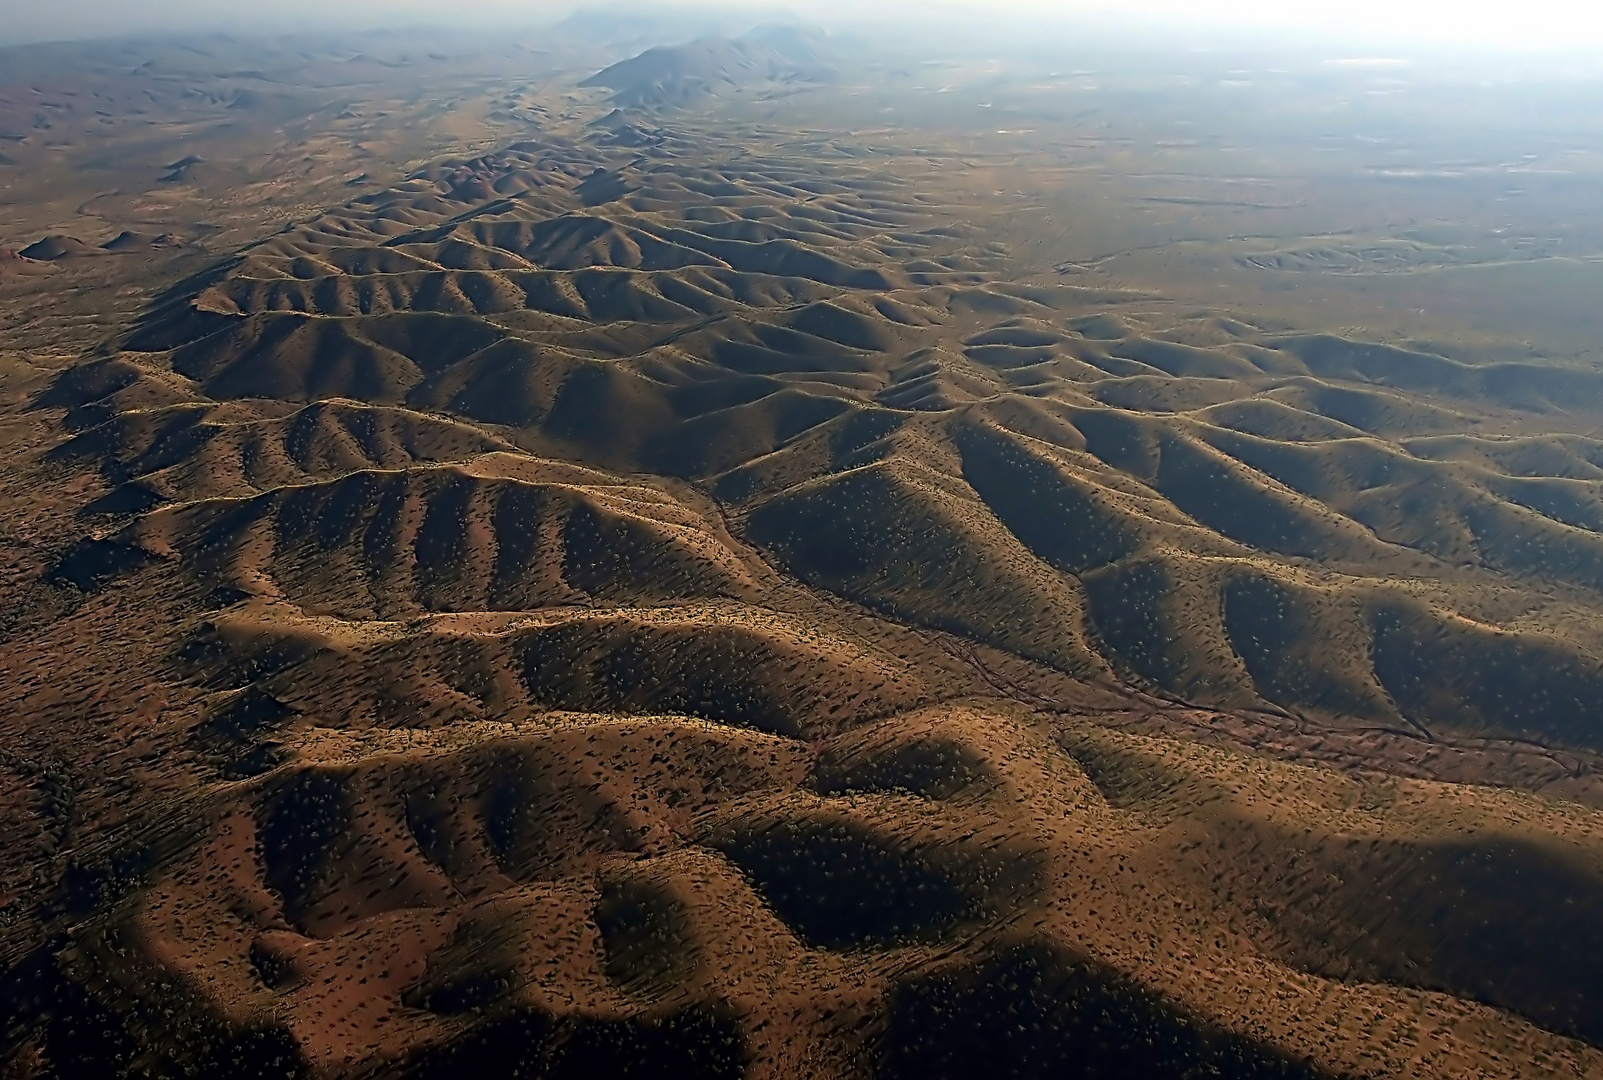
1517, 23
1521, 23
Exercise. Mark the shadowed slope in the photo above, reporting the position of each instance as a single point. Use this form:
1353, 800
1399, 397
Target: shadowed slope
680, 596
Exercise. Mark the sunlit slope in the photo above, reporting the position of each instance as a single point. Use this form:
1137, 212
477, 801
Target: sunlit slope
1191, 502
651, 599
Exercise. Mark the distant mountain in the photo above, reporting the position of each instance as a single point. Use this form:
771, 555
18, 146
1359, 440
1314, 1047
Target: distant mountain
717, 66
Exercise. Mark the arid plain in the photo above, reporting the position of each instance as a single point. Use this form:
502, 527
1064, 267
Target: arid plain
769, 556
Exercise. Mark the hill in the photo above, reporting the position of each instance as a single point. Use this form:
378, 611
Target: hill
715, 66
698, 594
58, 246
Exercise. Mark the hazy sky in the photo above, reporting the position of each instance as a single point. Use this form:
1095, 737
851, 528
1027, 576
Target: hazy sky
1519, 23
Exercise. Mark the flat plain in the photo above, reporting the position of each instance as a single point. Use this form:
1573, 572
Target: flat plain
775, 557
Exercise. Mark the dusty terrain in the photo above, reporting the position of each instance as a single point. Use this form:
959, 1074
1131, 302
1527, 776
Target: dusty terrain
528, 560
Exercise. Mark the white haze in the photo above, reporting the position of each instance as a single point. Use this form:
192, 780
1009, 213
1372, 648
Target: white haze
1433, 24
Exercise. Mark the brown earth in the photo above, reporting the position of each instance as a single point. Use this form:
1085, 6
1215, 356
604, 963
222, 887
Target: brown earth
673, 594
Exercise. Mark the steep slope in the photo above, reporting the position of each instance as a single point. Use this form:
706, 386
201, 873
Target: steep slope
714, 66
663, 600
